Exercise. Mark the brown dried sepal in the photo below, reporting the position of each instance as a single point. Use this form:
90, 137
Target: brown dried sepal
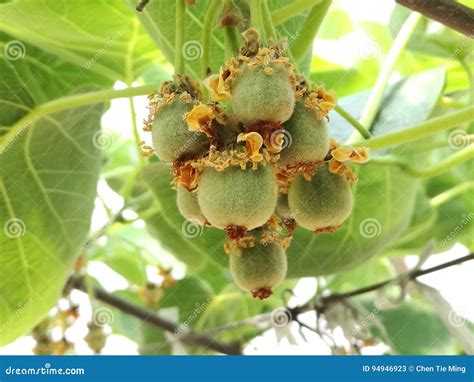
187, 174
329, 229
270, 134
340, 168
351, 154
200, 119
262, 293
321, 101
235, 232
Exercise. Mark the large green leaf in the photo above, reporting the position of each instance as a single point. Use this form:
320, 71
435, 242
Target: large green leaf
48, 182
99, 37
48, 176
415, 95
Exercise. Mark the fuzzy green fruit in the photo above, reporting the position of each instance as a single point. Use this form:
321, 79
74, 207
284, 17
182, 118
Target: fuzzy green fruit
245, 199
259, 96
259, 269
306, 138
171, 138
321, 204
188, 205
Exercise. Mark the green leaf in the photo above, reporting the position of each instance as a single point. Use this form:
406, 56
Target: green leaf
371, 272
31, 77
333, 76
415, 95
420, 231
48, 182
415, 329
127, 263
233, 305
97, 36
337, 23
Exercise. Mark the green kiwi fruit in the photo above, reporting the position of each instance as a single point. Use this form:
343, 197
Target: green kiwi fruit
260, 96
307, 138
236, 197
258, 269
171, 138
322, 203
188, 205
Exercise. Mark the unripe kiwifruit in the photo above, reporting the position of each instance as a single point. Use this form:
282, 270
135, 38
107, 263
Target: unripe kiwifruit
236, 199
263, 93
188, 205
321, 204
307, 138
259, 269
171, 137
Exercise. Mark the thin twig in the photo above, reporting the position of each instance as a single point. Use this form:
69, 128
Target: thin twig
188, 337
338, 297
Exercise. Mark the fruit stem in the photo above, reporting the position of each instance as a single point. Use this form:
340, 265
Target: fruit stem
304, 41
232, 44
256, 18
421, 130
268, 22
70, 102
179, 37
291, 10
451, 161
354, 122
399, 44
206, 35
446, 196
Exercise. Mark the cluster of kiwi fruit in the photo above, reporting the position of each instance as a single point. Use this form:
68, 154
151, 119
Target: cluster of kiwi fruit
257, 161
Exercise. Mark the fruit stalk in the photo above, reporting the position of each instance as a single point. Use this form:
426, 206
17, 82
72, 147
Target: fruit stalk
399, 44
421, 130
179, 37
